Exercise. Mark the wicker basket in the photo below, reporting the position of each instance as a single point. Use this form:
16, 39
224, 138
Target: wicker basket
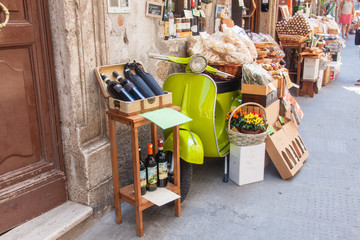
233, 69
242, 139
292, 39
333, 31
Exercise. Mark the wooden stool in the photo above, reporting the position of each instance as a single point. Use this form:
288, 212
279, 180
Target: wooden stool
309, 87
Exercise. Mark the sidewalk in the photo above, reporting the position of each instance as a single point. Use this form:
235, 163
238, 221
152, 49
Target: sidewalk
321, 202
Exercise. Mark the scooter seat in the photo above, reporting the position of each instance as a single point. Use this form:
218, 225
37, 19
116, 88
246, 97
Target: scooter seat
224, 86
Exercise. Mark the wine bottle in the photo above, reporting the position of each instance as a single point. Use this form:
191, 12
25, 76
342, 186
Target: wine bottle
186, 4
139, 83
166, 21
142, 176
116, 90
151, 169
172, 27
162, 165
109, 84
201, 19
148, 79
193, 20
129, 86
264, 5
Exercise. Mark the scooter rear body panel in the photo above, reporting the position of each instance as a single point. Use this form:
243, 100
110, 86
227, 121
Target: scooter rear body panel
197, 96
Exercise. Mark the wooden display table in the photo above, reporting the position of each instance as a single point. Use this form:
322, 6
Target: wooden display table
132, 193
296, 71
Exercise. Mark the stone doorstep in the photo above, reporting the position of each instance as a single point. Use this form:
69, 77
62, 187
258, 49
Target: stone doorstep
52, 224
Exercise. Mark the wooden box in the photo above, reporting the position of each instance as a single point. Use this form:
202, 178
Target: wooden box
264, 100
258, 89
124, 107
286, 149
326, 77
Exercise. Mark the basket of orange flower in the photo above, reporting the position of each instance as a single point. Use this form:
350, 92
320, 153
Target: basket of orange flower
247, 124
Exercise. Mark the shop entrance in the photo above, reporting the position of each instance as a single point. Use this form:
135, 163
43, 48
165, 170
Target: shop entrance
32, 180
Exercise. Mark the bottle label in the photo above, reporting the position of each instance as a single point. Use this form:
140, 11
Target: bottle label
196, 13
194, 28
166, 29
163, 173
152, 175
118, 87
179, 27
172, 28
143, 179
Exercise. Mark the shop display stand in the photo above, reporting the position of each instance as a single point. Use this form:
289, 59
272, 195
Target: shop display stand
296, 71
309, 87
132, 193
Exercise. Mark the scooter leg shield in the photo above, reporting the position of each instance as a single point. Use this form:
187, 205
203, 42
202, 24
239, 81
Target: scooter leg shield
191, 147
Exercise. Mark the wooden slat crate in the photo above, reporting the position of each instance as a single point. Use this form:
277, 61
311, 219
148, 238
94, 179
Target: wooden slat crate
129, 108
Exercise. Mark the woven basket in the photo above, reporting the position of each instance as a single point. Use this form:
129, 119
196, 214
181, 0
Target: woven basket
242, 139
233, 69
292, 39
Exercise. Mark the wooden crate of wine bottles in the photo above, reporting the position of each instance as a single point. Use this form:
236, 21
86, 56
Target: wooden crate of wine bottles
129, 107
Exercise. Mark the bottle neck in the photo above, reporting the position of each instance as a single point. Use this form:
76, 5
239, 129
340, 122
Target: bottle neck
107, 80
185, 4
120, 79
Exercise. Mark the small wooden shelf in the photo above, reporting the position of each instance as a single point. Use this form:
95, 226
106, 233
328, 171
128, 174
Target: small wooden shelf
127, 194
132, 193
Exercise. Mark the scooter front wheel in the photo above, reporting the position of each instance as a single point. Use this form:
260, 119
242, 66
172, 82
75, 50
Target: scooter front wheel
186, 172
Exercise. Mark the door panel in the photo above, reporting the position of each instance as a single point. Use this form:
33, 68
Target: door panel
19, 132
32, 180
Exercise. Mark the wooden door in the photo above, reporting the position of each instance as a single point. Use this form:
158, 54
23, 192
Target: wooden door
32, 180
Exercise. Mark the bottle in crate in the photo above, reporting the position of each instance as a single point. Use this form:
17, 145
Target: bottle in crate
138, 82
148, 79
129, 86
116, 90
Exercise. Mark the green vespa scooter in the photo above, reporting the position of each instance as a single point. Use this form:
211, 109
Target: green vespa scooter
206, 101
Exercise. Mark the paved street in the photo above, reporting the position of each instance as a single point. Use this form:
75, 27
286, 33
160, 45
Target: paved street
321, 202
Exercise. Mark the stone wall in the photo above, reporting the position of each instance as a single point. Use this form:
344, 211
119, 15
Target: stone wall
85, 36
268, 19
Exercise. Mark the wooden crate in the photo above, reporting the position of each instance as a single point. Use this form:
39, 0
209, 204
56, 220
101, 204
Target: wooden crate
124, 107
326, 78
258, 89
264, 100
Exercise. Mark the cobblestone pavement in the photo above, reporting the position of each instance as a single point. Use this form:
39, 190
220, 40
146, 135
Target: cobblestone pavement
321, 202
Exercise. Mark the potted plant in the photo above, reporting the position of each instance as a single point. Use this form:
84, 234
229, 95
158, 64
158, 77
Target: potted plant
247, 122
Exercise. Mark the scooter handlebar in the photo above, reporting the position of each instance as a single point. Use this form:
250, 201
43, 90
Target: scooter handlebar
158, 56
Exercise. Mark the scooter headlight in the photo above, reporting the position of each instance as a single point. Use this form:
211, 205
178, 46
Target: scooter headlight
198, 63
